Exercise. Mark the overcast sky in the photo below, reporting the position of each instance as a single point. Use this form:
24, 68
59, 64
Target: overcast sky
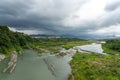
81, 18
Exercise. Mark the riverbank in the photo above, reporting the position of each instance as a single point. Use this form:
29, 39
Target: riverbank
12, 63
95, 66
44, 46
89, 48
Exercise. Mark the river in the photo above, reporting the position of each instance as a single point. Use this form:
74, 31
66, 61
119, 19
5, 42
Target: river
94, 47
32, 67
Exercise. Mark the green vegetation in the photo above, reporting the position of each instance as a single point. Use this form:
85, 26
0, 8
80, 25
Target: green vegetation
67, 43
112, 46
98, 67
95, 67
10, 41
84, 66
54, 45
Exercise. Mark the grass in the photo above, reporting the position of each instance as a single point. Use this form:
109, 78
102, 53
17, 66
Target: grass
54, 45
71, 44
95, 67
110, 51
85, 66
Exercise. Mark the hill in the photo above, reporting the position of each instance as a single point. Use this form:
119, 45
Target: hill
10, 41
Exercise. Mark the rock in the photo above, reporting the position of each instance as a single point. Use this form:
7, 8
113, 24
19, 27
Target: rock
12, 62
50, 67
63, 50
13, 68
2, 57
69, 51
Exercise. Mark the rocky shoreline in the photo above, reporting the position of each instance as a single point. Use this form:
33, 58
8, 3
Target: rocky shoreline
11, 63
2, 57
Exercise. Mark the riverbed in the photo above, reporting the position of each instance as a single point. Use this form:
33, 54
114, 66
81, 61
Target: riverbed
32, 67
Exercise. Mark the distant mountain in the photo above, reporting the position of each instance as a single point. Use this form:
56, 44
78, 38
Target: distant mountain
44, 36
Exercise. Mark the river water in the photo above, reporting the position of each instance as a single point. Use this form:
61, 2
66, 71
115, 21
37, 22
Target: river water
32, 67
94, 47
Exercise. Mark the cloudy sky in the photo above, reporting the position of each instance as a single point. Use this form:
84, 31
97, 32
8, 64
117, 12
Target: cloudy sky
80, 18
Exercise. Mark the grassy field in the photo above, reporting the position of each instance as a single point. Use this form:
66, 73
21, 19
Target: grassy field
54, 45
97, 67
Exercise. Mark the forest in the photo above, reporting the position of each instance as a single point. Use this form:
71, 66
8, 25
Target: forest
112, 46
10, 41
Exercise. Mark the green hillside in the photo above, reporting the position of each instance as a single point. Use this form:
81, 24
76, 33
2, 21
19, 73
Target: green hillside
10, 41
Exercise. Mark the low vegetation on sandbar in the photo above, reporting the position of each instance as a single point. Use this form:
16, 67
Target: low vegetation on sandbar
95, 66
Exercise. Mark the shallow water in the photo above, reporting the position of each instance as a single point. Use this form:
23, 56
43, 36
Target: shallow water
32, 67
96, 48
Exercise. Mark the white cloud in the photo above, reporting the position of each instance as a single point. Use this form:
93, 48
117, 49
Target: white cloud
90, 11
114, 29
54, 8
29, 32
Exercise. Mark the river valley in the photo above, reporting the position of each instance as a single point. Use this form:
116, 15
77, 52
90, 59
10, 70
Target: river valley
30, 66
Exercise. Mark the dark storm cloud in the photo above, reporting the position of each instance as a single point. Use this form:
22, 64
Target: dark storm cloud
51, 16
13, 7
21, 15
113, 17
113, 6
